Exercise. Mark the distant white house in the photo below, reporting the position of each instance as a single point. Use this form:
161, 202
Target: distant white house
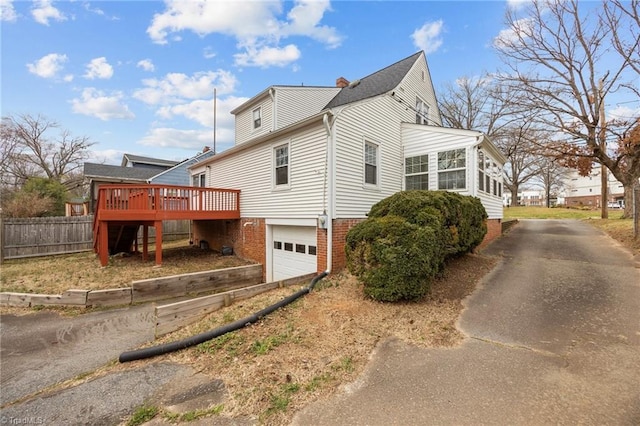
585, 191
311, 161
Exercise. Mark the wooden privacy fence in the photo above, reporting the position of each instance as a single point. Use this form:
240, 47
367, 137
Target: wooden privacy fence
43, 236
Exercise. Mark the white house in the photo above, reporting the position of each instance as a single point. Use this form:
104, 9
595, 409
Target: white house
585, 191
311, 161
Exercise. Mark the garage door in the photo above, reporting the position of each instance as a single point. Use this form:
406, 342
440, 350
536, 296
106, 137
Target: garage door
294, 251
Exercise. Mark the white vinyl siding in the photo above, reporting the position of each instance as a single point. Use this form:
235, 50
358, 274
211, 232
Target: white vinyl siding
297, 103
375, 120
245, 121
412, 87
249, 171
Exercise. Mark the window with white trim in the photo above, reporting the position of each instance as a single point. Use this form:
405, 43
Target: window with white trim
416, 171
370, 163
281, 160
481, 174
257, 118
198, 180
452, 172
422, 112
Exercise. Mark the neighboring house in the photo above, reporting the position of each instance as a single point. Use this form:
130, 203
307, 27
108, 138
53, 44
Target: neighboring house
311, 161
136, 169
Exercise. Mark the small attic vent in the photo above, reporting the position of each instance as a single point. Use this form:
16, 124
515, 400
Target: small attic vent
354, 84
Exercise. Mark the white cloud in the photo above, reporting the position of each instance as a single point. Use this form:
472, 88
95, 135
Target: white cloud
146, 65
99, 68
44, 10
186, 139
201, 111
48, 66
106, 156
304, 19
96, 103
208, 52
520, 30
178, 87
257, 26
428, 37
268, 56
7, 11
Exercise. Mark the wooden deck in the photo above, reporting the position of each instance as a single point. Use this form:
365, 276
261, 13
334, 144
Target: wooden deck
121, 206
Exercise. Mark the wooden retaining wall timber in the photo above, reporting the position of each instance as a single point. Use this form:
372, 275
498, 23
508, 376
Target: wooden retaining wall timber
175, 315
195, 283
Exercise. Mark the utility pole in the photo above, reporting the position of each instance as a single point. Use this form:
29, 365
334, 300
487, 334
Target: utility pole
604, 203
215, 100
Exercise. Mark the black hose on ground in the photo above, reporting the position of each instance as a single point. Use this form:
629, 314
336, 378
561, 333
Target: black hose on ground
217, 332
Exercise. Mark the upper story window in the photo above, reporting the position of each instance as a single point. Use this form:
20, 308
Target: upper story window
199, 180
416, 172
452, 169
257, 118
281, 154
422, 112
370, 163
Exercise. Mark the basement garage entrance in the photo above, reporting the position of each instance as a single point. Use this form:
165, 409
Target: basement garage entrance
293, 251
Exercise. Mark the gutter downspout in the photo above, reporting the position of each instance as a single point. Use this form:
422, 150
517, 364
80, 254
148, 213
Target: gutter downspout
329, 181
274, 108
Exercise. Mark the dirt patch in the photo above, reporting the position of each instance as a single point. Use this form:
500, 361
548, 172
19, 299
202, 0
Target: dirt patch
308, 349
56, 274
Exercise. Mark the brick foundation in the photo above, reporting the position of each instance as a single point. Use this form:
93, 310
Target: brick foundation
246, 236
494, 230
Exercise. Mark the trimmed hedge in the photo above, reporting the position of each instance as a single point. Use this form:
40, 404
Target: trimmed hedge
401, 247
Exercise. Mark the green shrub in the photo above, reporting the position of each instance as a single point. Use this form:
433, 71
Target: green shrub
395, 259
461, 219
401, 247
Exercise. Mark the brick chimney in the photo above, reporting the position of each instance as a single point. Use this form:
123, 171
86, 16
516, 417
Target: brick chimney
342, 82
205, 149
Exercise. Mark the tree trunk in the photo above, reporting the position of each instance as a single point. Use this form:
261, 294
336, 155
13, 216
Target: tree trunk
628, 201
514, 196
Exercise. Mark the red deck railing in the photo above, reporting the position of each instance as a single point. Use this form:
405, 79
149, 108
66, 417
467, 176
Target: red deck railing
149, 205
166, 202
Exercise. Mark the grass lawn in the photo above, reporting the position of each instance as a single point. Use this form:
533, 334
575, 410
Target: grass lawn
617, 228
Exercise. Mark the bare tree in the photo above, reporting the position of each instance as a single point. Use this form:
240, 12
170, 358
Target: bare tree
519, 142
475, 103
564, 64
34, 153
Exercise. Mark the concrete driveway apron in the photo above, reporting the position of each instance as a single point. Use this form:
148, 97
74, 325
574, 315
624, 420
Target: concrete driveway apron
553, 336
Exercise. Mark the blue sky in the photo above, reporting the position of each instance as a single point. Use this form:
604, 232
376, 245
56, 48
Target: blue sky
138, 76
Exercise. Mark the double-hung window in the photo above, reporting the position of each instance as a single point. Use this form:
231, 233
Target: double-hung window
481, 172
370, 163
422, 112
281, 157
257, 118
452, 169
416, 171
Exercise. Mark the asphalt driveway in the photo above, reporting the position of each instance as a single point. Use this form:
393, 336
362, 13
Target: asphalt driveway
553, 337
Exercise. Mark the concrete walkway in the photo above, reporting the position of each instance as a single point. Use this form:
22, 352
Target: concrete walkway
553, 337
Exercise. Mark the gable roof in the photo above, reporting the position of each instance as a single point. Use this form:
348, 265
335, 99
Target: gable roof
147, 160
375, 84
109, 172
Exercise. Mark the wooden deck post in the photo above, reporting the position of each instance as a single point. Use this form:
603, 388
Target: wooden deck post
158, 226
104, 243
145, 242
